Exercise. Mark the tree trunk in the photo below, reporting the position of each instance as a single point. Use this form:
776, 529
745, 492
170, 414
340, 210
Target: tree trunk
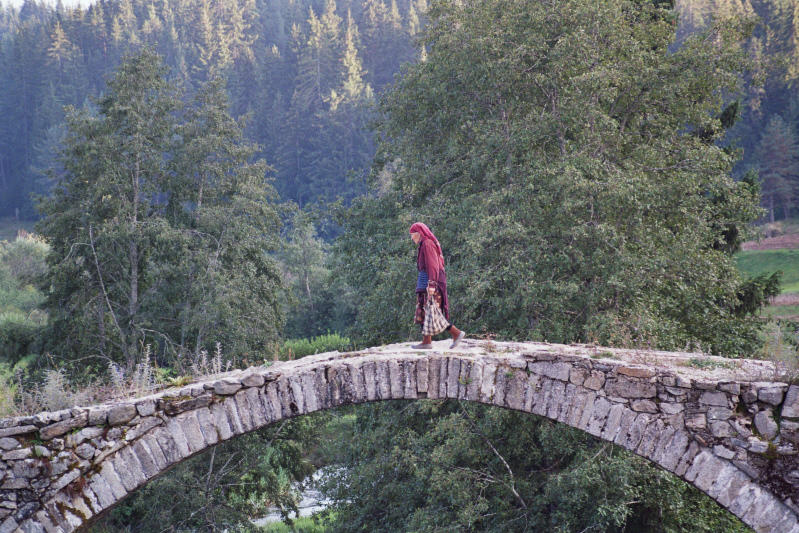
133, 254
771, 207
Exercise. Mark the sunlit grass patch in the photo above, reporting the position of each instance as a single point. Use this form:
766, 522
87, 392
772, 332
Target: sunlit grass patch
756, 262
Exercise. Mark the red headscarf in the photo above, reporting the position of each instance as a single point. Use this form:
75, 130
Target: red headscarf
421, 227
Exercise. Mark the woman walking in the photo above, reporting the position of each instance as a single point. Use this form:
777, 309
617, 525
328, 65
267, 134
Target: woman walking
431, 282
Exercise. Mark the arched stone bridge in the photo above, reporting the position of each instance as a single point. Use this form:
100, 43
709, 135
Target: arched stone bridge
729, 427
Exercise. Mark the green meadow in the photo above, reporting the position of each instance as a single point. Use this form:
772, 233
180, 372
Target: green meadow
755, 262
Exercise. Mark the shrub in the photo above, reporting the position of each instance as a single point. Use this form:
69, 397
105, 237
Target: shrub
295, 348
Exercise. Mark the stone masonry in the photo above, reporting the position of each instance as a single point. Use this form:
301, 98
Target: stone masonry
729, 427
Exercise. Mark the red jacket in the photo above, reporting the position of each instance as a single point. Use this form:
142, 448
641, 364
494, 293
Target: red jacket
427, 259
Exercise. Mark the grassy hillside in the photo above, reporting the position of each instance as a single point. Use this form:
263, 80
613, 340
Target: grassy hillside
754, 262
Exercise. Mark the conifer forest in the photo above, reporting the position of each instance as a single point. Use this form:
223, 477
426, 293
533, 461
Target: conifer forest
190, 186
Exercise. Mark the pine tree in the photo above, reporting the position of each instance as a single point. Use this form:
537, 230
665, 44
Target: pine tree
160, 226
778, 154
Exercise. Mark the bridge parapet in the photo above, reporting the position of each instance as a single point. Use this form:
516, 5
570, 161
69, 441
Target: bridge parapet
727, 426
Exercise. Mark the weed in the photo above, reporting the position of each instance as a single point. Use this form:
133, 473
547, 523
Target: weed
604, 355
695, 362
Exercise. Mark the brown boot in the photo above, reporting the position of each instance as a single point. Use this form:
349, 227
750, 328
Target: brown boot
427, 343
457, 336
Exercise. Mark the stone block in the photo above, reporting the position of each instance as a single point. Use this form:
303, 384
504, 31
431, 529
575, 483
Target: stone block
627, 388
790, 408
146, 408
598, 417
226, 387
8, 443
671, 408
540, 397
757, 446
191, 428
552, 370
121, 414
144, 425
556, 397
718, 399
644, 406
272, 402
109, 474
175, 430
475, 381
613, 424
309, 392
500, 384
253, 379
421, 375
102, 491
15, 455
221, 422
721, 429
152, 446
719, 413
625, 425
453, 374
434, 377
174, 407
771, 394
168, 445
370, 383
697, 465
578, 375
687, 458
147, 461
696, 421
65, 480
635, 371
59, 428
595, 380
650, 438
672, 452
463, 378
765, 424
731, 387
8, 525
383, 382
395, 380
723, 452
85, 451
87, 433
129, 469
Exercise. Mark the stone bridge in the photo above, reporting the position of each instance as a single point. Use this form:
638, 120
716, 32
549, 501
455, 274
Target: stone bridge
729, 427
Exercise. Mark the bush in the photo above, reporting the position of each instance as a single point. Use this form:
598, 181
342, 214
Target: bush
299, 525
295, 348
19, 336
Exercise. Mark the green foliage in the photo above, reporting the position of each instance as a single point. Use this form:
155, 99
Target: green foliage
225, 486
296, 348
300, 525
779, 167
160, 227
319, 301
599, 220
305, 69
416, 466
759, 262
22, 325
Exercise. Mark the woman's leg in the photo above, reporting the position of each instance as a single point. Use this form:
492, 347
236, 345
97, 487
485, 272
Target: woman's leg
457, 336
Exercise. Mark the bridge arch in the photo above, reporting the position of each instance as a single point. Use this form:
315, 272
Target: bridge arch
711, 427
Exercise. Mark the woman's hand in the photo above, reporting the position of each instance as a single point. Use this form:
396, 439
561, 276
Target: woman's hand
431, 291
